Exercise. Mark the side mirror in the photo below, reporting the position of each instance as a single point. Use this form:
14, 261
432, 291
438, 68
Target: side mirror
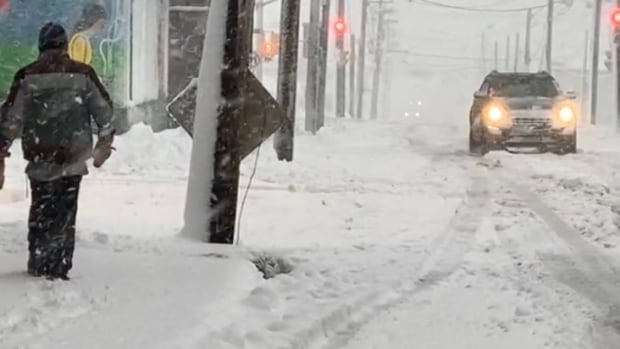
571, 95
479, 94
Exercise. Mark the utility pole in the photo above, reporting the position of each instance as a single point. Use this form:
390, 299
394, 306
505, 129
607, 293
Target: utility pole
312, 75
323, 49
549, 47
528, 40
352, 62
387, 89
341, 75
376, 79
361, 70
517, 43
214, 171
225, 132
483, 52
496, 55
598, 8
225, 186
507, 53
287, 77
616, 43
584, 75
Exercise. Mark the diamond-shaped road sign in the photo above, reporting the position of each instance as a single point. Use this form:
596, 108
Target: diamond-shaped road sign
263, 116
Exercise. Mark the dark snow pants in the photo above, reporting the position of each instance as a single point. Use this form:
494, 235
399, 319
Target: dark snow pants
51, 226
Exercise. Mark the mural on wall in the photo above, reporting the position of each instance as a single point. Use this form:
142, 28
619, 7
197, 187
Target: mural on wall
97, 31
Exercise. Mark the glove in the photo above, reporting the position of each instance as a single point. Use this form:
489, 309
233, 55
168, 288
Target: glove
103, 151
3, 155
2, 165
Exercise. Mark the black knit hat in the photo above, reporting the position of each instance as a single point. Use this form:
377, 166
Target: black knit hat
52, 36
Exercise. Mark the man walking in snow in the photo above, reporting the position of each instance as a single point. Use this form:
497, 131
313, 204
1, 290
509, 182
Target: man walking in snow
50, 105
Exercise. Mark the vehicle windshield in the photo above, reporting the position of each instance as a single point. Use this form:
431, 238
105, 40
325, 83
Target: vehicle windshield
524, 87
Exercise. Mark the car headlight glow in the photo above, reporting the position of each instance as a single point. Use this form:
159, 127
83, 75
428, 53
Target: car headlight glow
495, 115
566, 114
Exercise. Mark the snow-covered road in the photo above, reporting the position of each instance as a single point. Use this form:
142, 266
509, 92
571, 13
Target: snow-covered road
398, 239
540, 266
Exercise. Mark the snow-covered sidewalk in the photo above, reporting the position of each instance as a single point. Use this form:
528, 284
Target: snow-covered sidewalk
397, 239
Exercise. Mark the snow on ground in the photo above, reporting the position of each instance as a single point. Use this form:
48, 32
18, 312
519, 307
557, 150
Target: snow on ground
395, 235
331, 214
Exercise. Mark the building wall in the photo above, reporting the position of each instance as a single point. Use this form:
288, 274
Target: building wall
20, 22
145, 72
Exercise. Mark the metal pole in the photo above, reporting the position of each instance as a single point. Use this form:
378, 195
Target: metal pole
376, 79
287, 77
387, 89
483, 53
549, 48
616, 43
323, 49
361, 70
584, 75
528, 41
517, 43
260, 24
598, 7
352, 62
312, 70
341, 74
507, 54
496, 56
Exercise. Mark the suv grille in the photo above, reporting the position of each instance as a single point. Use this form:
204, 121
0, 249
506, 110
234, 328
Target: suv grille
536, 122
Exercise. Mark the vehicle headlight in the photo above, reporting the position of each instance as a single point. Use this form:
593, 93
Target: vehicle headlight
566, 114
495, 115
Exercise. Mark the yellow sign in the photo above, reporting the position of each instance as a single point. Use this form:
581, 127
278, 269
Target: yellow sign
80, 48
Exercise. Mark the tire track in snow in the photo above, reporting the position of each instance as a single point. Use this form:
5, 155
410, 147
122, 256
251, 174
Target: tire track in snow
448, 251
521, 234
597, 282
584, 270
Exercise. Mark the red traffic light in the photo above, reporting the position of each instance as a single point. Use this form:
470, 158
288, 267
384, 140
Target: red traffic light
5, 5
340, 26
268, 49
615, 17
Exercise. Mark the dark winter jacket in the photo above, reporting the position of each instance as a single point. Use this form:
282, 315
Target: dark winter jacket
51, 104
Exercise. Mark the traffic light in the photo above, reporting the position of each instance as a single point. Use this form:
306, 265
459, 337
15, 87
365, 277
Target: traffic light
615, 18
270, 47
5, 5
267, 49
340, 27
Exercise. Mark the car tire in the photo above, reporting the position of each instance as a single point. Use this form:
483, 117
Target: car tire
476, 148
570, 147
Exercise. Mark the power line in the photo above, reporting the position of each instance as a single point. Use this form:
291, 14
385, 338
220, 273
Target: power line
482, 9
499, 2
430, 55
